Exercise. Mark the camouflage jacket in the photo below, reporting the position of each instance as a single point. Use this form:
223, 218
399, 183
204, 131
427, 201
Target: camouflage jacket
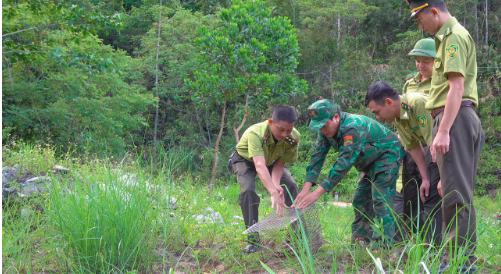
361, 142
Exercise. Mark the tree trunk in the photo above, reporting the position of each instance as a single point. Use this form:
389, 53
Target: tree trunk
7, 64
208, 127
476, 22
156, 74
237, 130
338, 31
200, 128
216, 153
486, 23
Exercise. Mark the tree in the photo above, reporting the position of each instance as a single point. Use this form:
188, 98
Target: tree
67, 88
251, 55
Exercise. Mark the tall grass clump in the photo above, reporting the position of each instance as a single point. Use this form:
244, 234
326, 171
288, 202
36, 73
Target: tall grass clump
105, 221
22, 225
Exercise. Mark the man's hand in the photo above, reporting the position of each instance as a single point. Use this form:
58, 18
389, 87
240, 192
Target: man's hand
308, 200
439, 188
305, 191
277, 201
424, 189
440, 145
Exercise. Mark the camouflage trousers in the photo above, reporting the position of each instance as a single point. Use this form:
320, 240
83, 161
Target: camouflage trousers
373, 200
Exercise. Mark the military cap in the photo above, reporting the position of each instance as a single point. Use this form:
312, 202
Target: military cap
418, 5
321, 111
424, 47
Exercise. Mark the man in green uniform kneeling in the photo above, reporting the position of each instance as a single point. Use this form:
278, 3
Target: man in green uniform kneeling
414, 125
373, 150
264, 149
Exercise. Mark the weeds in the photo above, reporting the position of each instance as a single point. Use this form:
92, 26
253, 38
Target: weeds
98, 221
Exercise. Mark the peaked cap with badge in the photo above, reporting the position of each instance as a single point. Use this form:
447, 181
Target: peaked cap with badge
418, 5
320, 112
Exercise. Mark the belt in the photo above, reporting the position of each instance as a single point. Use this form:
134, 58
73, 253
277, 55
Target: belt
437, 111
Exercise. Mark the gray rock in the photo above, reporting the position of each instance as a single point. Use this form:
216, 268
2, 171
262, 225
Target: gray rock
61, 170
172, 203
214, 217
26, 213
8, 175
34, 186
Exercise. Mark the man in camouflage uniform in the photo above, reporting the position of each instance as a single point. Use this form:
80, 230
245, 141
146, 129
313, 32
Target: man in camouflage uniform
458, 137
413, 122
264, 149
373, 150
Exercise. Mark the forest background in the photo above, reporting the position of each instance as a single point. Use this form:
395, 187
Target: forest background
120, 76
160, 90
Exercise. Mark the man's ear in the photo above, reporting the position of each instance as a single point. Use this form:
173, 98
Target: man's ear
389, 101
270, 121
434, 11
336, 116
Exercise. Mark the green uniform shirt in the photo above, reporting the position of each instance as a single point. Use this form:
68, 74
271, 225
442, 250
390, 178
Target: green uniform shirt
455, 53
258, 140
415, 124
360, 141
414, 84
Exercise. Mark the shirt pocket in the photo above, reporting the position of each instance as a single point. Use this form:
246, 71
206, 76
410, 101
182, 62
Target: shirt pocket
438, 72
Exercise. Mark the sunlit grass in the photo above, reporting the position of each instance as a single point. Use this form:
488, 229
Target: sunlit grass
94, 222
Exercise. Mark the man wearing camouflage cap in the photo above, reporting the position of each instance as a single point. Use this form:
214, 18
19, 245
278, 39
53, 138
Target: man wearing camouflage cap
458, 137
373, 150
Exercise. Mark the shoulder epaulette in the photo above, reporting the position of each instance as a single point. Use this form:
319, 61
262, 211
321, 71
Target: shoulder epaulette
406, 107
410, 76
448, 32
291, 141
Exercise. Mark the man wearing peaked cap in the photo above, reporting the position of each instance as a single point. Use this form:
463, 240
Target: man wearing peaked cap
458, 137
417, 6
369, 147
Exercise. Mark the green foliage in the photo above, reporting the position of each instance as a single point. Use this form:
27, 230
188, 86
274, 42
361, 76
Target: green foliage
73, 99
251, 53
176, 61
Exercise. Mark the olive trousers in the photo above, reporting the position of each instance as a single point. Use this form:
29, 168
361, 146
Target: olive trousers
458, 170
248, 199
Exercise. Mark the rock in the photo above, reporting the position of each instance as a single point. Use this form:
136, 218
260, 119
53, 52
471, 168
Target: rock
34, 186
8, 175
26, 213
60, 169
213, 218
172, 203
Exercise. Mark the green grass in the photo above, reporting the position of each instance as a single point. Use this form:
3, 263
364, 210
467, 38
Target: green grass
92, 222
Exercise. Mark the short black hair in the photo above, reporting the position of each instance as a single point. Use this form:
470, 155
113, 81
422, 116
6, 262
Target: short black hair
284, 113
378, 93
